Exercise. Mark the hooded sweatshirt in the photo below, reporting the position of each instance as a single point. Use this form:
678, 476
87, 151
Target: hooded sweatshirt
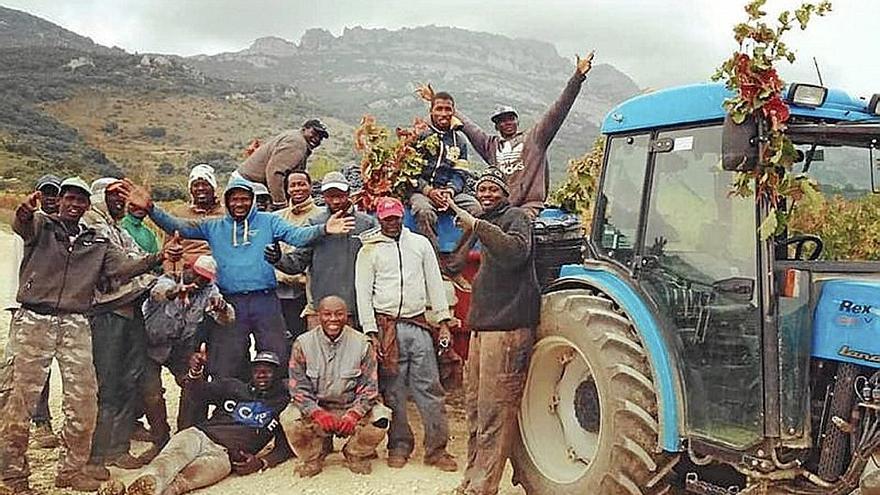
528, 176
238, 246
398, 278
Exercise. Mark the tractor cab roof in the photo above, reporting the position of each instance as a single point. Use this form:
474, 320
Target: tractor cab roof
703, 102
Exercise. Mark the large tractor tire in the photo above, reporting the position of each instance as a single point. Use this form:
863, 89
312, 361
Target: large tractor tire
588, 420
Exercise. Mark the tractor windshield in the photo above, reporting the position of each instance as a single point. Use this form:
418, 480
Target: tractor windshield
846, 216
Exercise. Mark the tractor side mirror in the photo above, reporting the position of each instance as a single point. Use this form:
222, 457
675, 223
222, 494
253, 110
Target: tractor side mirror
737, 288
739, 145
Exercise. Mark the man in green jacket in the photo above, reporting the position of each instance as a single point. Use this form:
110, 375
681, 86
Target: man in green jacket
133, 223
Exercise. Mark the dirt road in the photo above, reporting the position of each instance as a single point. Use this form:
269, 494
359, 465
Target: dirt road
415, 478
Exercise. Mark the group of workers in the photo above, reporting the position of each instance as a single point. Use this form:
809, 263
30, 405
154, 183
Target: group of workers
345, 311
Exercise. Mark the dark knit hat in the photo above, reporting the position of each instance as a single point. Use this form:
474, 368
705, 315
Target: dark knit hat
496, 177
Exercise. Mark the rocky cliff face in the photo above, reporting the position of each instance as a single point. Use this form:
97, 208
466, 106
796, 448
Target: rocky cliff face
375, 71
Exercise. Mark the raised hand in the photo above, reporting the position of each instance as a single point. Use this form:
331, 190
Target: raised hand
198, 360
339, 223
465, 219
425, 92
32, 202
585, 64
135, 194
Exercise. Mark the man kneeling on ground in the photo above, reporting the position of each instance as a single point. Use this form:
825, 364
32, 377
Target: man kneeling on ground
334, 380
244, 422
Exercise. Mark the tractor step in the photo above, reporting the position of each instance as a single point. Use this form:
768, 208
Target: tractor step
693, 484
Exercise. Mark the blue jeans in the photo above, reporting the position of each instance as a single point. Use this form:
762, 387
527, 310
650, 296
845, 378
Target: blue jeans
258, 313
419, 377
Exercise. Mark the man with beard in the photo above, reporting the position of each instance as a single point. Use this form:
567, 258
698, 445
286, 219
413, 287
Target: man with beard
119, 345
329, 260
44, 437
505, 307
278, 157
292, 288
64, 262
237, 241
244, 421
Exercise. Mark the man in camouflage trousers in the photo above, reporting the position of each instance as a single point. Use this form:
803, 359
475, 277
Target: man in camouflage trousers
63, 261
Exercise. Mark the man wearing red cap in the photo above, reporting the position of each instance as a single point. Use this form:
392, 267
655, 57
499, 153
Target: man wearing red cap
397, 278
173, 313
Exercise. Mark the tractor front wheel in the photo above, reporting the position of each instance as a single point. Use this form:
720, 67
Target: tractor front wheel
588, 420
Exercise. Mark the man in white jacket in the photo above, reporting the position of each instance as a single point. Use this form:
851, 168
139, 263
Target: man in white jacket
397, 277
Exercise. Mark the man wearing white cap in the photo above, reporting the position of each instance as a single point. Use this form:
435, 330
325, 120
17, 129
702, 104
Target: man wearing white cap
173, 313
329, 260
203, 204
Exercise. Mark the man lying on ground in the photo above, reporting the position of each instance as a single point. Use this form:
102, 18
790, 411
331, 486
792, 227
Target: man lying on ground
245, 420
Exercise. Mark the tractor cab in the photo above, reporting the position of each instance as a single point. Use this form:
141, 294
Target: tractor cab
687, 339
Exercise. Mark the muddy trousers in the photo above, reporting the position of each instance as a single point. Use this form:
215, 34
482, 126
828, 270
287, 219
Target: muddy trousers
34, 340
419, 377
496, 371
426, 213
190, 461
119, 352
308, 440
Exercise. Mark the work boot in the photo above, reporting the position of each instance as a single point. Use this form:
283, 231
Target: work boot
442, 461
112, 487
141, 433
19, 487
79, 482
309, 469
396, 461
125, 461
44, 437
359, 466
96, 471
145, 485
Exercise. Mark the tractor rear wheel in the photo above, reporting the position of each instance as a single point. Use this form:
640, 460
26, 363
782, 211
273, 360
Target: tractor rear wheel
588, 420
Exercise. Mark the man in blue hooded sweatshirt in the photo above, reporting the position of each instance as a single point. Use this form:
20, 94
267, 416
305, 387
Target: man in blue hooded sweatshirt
245, 279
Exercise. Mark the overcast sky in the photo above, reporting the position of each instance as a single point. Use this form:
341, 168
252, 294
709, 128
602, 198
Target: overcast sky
658, 43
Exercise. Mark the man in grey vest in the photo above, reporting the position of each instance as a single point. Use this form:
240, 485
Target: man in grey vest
334, 382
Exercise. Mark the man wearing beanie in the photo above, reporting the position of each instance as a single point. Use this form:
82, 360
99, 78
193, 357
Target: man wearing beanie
278, 157
505, 306
203, 204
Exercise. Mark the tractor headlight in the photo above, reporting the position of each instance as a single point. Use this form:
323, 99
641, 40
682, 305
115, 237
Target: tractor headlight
874, 104
807, 95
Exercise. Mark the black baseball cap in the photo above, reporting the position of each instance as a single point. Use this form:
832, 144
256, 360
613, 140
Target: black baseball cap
318, 126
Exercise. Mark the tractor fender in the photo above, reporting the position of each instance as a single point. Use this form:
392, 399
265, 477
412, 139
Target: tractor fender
666, 373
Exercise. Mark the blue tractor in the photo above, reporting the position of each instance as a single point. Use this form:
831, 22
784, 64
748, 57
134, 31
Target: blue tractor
685, 354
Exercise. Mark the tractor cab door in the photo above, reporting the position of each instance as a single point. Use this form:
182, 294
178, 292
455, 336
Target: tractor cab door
693, 251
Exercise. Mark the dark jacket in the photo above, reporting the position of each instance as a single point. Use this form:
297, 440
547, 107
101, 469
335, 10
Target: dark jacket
330, 260
529, 177
60, 275
440, 168
245, 418
505, 293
